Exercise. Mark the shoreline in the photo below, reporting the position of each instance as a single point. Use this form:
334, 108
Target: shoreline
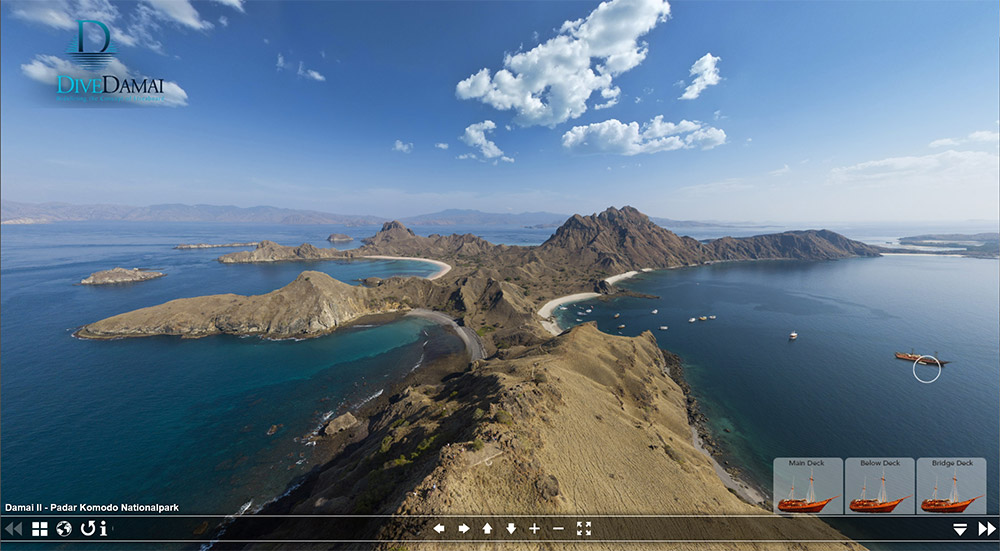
545, 312
738, 481
443, 267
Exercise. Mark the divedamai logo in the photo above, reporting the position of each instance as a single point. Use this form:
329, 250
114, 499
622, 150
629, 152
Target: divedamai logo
102, 87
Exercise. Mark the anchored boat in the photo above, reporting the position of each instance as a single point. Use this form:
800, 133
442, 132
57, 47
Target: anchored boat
808, 505
950, 505
793, 335
880, 505
926, 360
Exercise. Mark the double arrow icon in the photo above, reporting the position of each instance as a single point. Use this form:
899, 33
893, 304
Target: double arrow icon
988, 528
11, 528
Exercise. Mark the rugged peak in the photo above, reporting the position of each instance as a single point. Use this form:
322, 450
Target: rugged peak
395, 227
390, 231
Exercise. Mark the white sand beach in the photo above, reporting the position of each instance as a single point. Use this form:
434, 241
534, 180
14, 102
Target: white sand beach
443, 268
616, 278
545, 312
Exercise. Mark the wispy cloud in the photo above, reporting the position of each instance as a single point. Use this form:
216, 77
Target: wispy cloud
552, 82
402, 147
705, 73
781, 171
979, 136
613, 136
309, 73
441, 145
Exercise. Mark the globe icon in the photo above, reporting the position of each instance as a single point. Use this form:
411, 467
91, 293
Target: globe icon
64, 528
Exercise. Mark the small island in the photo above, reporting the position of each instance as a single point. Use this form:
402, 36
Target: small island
339, 238
215, 246
120, 275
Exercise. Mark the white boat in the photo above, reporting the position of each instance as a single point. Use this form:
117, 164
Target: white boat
711, 317
622, 326
691, 320
616, 316
580, 314
562, 307
663, 328
589, 310
793, 335
655, 312
578, 319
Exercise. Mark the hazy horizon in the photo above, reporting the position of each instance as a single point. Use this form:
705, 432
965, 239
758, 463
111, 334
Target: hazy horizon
772, 112
993, 223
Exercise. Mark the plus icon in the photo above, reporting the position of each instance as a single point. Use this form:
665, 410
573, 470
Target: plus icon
534, 528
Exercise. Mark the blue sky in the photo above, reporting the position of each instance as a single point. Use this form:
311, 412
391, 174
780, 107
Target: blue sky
803, 111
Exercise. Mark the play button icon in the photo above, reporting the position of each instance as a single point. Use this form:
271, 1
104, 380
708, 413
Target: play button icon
987, 528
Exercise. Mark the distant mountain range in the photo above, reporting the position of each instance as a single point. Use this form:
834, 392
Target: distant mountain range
12, 212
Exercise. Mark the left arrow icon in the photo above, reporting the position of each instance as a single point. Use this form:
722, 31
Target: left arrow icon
439, 528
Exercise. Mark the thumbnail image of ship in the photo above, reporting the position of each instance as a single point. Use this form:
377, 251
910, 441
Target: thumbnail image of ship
923, 359
807, 505
950, 505
880, 505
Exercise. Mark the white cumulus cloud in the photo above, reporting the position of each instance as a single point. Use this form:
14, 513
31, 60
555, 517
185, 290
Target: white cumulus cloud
705, 74
475, 136
47, 68
614, 136
402, 147
552, 82
441, 145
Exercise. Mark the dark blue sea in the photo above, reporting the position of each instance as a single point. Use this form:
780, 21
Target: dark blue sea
837, 391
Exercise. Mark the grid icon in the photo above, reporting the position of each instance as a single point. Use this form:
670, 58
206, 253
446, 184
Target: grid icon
40, 529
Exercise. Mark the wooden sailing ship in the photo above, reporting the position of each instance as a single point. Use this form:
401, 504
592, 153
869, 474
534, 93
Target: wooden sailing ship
808, 505
880, 505
950, 505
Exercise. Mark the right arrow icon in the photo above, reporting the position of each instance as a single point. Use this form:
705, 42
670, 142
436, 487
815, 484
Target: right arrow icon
987, 528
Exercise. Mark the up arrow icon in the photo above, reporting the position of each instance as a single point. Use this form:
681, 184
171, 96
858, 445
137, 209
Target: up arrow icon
487, 528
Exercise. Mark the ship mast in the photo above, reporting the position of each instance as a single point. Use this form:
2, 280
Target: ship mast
881, 494
954, 487
864, 488
934, 495
791, 493
812, 495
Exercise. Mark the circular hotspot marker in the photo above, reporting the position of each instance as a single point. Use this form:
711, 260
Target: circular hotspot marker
915, 362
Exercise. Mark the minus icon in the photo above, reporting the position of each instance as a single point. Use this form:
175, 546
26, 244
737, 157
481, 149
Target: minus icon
557, 528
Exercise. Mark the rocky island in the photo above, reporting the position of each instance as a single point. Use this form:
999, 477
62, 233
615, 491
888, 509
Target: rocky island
580, 421
339, 238
183, 246
312, 305
120, 275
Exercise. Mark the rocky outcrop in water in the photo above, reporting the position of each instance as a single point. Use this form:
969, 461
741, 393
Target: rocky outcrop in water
120, 275
339, 238
184, 246
269, 251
